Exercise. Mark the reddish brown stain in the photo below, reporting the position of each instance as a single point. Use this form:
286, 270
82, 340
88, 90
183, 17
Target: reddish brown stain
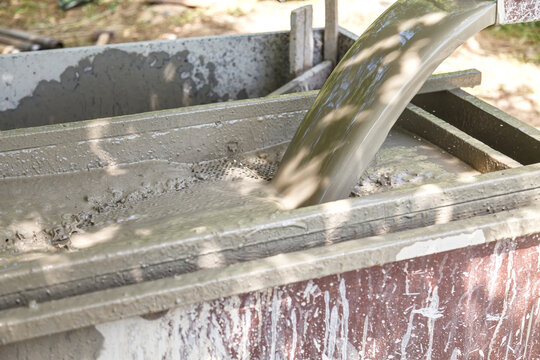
521, 11
471, 303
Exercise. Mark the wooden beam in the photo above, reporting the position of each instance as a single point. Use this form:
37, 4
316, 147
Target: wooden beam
331, 31
456, 142
496, 129
301, 41
313, 79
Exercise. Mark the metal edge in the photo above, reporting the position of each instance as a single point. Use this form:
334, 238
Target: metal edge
103, 306
150, 45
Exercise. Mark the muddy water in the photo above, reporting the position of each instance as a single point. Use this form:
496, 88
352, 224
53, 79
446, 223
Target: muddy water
367, 92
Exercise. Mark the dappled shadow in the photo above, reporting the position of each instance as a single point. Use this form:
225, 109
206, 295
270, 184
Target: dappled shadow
117, 80
522, 103
467, 303
367, 92
152, 232
165, 199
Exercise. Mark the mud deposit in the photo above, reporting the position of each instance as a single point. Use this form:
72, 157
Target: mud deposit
70, 212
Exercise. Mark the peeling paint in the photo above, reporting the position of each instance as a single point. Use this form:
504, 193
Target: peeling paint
441, 244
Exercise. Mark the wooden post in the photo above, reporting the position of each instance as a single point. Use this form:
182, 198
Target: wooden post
301, 40
331, 31
312, 79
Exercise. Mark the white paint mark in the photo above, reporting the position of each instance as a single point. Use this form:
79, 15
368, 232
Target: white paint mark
439, 245
275, 316
431, 312
529, 326
508, 285
258, 308
310, 289
244, 343
495, 272
455, 354
490, 317
295, 335
407, 337
326, 320
317, 345
334, 320
344, 319
508, 346
364, 337
407, 291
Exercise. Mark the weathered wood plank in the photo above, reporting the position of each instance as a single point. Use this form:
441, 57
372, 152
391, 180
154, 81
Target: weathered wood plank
312, 79
301, 40
456, 142
484, 122
452, 80
331, 31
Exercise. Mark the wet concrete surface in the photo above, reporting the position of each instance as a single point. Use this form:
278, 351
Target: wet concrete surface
64, 212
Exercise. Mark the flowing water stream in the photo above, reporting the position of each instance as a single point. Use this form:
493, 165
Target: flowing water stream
367, 92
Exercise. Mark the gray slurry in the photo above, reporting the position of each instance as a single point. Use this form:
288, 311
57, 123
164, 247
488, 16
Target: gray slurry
74, 211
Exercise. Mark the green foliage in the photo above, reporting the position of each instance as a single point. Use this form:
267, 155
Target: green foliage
237, 11
185, 17
529, 32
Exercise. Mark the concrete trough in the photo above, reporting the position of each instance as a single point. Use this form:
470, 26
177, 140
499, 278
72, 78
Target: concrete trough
140, 229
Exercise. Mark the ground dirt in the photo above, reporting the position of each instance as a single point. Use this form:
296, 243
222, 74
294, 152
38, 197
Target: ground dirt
510, 66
